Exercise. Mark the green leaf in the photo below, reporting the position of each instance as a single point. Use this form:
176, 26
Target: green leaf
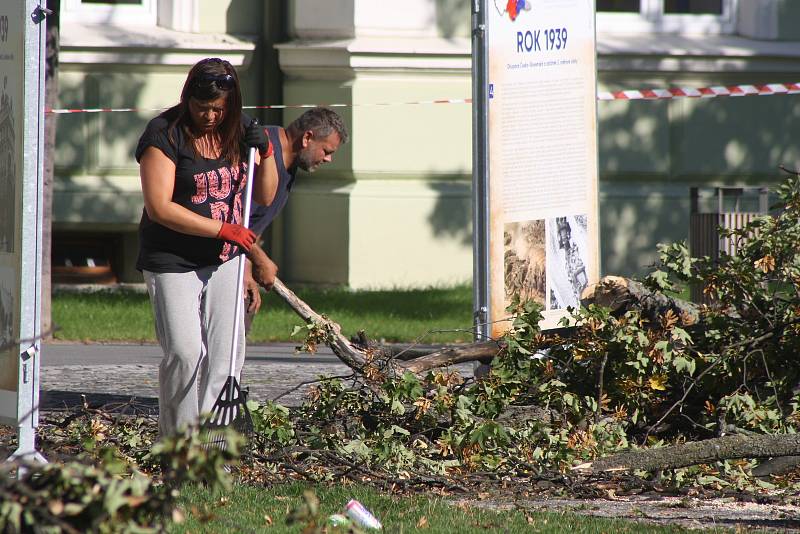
400, 430
681, 334
397, 407
683, 364
660, 280
357, 447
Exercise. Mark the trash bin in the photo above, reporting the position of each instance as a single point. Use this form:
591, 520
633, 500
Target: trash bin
731, 208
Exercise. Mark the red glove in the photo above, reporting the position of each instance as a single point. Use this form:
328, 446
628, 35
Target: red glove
237, 234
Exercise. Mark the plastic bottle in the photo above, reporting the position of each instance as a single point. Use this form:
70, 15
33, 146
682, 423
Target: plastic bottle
361, 516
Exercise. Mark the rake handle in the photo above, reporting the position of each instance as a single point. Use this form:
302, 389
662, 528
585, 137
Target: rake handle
237, 314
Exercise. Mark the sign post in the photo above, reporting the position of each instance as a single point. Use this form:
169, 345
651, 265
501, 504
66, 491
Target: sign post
22, 42
539, 228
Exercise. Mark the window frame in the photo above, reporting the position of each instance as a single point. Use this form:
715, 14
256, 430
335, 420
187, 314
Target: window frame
651, 18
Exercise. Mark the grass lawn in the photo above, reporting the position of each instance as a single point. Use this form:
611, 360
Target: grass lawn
399, 315
249, 509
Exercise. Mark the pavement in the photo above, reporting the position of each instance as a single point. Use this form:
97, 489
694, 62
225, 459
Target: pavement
116, 373
108, 374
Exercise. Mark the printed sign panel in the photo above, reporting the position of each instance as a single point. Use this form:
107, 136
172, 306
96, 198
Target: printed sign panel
12, 89
21, 170
542, 136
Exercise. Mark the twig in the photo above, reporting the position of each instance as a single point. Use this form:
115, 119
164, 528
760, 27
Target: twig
307, 382
601, 372
771, 381
680, 401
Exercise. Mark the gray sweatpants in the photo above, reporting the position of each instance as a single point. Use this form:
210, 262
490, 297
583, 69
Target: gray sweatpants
194, 314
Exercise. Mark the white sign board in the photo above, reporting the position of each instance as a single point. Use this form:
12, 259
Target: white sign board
542, 155
21, 135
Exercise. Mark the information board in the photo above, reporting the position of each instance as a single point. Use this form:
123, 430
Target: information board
542, 220
21, 170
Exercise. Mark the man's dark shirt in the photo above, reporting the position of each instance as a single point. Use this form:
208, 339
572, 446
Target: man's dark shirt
262, 216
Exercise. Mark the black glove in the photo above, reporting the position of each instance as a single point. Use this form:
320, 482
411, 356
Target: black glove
256, 136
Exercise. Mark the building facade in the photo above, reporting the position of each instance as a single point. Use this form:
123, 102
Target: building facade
393, 210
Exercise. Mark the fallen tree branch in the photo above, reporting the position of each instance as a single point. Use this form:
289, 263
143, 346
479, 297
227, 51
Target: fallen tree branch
356, 358
339, 344
698, 452
483, 352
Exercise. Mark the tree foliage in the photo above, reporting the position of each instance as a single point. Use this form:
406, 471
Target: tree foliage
610, 381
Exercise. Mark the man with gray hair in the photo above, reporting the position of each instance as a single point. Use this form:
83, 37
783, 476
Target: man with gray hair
308, 142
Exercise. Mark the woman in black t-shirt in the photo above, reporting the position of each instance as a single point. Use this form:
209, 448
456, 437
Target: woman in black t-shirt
193, 168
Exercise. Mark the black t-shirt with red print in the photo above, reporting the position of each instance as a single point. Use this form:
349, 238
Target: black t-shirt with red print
209, 187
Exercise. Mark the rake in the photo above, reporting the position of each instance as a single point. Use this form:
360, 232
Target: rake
230, 408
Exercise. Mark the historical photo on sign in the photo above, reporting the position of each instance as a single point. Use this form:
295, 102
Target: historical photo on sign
8, 358
567, 248
8, 170
525, 261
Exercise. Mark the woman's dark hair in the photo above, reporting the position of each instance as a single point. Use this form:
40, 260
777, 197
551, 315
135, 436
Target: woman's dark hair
210, 79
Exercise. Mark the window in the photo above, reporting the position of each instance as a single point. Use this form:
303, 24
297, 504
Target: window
178, 15
706, 7
133, 12
619, 6
668, 16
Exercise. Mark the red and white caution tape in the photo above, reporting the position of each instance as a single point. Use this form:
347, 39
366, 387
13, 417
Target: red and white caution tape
703, 92
644, 94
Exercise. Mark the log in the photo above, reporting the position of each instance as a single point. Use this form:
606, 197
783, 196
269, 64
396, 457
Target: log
356, 358
401, 351
483, 352
698, 452
777, 466
620, 294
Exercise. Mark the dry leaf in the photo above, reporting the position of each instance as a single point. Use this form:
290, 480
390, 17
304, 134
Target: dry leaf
423, 522
669, 319
766, 264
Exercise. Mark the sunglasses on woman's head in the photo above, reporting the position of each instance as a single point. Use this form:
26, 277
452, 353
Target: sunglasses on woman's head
224, 82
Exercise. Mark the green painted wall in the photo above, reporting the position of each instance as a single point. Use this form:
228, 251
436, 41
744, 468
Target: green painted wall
232, 16
394, 209
653, 152
418, 140
788, 20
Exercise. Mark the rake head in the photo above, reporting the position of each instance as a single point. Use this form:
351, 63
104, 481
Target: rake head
230, 409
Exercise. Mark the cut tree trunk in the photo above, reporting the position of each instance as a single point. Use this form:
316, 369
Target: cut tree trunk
618, 293
698, 452
357, 358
